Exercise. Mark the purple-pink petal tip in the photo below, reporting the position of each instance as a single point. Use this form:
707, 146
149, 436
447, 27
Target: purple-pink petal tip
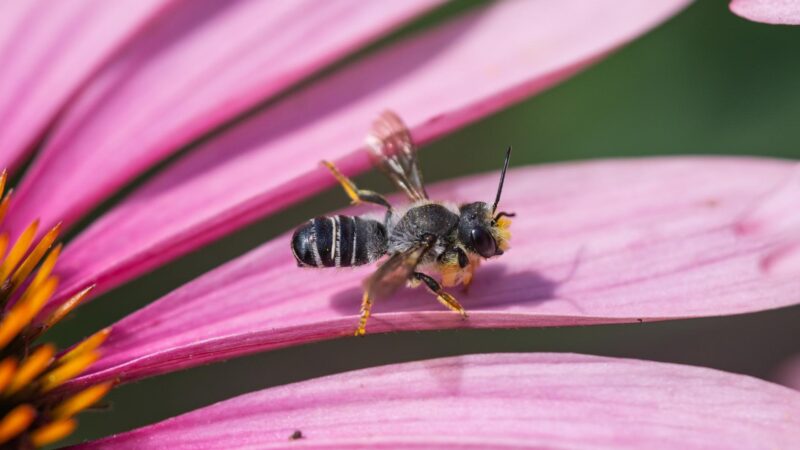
776, 12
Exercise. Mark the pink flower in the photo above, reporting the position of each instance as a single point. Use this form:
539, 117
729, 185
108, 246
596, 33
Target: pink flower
104, 91
779, 12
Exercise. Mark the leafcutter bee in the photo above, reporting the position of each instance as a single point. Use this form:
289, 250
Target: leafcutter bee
427, 236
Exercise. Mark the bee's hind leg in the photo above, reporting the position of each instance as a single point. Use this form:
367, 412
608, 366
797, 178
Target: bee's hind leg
356, 195
443, 297
366, 308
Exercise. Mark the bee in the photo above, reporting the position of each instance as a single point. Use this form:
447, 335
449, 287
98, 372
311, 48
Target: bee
426, 236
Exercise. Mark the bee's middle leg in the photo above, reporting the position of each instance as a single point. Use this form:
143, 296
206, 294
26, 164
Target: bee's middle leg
356, 195
443, 297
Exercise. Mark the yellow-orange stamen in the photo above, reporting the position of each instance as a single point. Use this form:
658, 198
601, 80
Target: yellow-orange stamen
7, 198
45, 269
3, 244
67, 307
81, 400
88, 345
16, 421
4, 205
32, 418
52, 432
31, 367
26, 309
18, 250
35, 256
7, 369
68, 370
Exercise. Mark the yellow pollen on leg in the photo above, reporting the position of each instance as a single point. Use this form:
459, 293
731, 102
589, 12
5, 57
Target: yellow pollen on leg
366, 307
451, 274
348, 186
451, 302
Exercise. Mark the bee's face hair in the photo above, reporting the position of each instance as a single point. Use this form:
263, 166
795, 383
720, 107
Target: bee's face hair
479, 232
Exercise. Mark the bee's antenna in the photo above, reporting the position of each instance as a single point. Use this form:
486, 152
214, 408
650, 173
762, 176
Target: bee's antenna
502, 178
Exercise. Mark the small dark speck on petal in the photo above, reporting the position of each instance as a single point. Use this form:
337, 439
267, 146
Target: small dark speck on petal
296, 435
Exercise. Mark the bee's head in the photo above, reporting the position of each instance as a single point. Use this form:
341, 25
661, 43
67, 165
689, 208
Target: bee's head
482, 232
482, 229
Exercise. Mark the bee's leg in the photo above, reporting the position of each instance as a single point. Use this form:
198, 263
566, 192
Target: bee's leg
356, 195
443, 297
469, 272
366, 307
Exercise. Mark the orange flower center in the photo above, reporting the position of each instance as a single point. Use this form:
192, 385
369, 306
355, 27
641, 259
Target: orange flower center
32, 412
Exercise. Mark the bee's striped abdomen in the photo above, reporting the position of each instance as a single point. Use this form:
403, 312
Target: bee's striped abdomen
339, 241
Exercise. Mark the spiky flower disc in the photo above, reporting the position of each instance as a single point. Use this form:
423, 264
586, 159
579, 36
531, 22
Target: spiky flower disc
32, 412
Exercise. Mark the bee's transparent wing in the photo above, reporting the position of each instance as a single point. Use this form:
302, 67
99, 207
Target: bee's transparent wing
395, 155
393, 273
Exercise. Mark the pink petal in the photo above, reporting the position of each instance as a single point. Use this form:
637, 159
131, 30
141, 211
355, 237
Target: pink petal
602, 242
778, 12
769, 216
495, 401
438, 82
193, 69
49, 49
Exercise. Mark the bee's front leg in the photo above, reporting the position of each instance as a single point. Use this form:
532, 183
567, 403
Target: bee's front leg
443, 297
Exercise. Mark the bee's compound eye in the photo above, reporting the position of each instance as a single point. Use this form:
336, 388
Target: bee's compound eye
483, 242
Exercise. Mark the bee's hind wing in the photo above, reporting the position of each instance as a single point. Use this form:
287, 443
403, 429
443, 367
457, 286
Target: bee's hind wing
395, 155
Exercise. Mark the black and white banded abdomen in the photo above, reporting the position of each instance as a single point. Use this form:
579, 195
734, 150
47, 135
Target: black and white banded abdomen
339, 241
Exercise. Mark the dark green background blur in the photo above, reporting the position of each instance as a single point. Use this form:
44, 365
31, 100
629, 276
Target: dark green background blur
706, 82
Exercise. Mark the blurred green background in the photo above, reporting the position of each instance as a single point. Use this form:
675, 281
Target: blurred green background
706, 82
